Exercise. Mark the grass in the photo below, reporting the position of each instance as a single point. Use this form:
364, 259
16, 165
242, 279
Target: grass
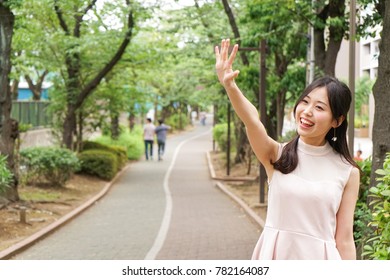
33, 194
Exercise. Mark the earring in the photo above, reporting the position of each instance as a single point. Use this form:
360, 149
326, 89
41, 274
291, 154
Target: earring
334, 138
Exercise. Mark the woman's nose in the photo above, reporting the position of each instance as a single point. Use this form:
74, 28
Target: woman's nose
308, 110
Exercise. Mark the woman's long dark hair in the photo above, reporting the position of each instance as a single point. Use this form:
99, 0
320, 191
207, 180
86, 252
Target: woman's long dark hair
340, 98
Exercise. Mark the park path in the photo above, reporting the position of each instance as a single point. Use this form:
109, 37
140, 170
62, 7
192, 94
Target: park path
166, 209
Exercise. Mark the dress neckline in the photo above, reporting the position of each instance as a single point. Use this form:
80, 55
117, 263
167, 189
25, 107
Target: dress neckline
314, 150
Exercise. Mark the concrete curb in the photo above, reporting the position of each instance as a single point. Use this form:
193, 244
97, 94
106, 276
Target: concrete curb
256, 218
29, 241
227, 178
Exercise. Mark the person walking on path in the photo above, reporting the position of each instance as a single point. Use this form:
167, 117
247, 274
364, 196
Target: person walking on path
313, 180
161, 132
149, 128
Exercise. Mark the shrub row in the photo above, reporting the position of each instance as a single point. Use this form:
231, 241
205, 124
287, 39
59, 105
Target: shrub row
220, 134
131, 142
102, 160
377, 245
47, 165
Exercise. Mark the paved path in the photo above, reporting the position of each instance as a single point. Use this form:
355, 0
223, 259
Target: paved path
158, 210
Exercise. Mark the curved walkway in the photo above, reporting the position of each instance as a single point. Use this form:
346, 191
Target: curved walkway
158, 210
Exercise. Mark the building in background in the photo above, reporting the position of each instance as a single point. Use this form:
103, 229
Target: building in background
25, 94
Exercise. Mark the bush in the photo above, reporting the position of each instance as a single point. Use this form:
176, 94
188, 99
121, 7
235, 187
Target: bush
118, 151
220, 132
132, 142
48, 165
177, 121
362, 215
5, 174
378, 246
102, 164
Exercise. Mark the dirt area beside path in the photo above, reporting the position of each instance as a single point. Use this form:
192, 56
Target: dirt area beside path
43, 206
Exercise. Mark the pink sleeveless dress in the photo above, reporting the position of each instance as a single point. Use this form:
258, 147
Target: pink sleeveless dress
302, 207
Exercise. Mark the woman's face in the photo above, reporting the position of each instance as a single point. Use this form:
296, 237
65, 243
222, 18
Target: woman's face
314, 117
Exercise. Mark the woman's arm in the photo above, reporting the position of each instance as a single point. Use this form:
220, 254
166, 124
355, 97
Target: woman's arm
345, 217
264, 147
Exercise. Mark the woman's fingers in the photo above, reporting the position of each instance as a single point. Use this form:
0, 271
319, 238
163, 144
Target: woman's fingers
225, 48
231, 76
233, 54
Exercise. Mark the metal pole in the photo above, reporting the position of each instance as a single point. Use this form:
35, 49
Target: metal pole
352, 44
311, 76
262, 109
214, 122
228, 141
311, 61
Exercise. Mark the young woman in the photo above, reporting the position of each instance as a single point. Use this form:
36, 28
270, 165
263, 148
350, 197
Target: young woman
313, 180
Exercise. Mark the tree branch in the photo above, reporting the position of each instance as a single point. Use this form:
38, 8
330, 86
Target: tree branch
79, 18
87, 90
60, 17
234, 27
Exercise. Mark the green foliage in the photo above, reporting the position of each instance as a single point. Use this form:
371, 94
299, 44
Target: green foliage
362, 215
119, 151
23, 127
5, 174
363, 89
220, 133
40, 195
288, 136
132, 142
378, 245
42, 165
365, 167
100, 163
177, 121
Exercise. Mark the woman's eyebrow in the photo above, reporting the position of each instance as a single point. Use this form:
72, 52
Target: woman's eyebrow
319, 101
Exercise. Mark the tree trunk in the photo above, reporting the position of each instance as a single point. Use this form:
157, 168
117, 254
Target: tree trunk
8, 127
326, 48
69, 127
241, 141
131, 121
115, 127
280, 105
14, 89
235, 30
37, 88
381, 127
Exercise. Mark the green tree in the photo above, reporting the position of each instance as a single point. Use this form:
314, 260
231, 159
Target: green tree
85, 46
8, 126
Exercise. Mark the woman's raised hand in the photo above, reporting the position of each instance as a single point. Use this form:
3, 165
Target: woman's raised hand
224, 62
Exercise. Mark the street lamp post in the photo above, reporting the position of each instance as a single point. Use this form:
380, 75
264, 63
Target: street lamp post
262, 108
351, 74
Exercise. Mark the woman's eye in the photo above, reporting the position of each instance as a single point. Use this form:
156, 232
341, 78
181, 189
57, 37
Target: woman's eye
319, 108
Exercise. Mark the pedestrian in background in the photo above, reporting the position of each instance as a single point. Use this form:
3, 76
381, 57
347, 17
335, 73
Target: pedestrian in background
202, 118
161, 132
358, 156
149, 128
313, 181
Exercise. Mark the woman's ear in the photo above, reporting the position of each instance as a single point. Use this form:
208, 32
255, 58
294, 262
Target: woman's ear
338, 122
